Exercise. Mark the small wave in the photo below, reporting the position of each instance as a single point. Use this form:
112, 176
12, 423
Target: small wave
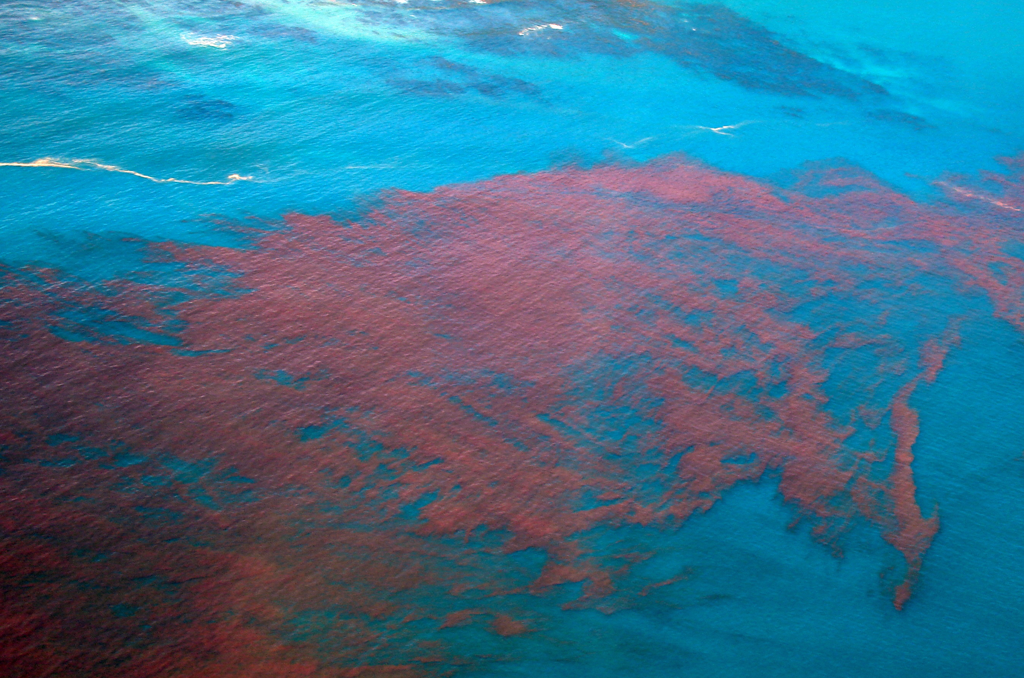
87, 165
218, 41
541, 27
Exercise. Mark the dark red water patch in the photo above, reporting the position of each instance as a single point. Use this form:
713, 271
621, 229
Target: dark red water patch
347, 461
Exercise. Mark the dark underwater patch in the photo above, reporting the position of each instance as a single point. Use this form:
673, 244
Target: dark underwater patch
453, 79
900, 117
705, 38
211, 110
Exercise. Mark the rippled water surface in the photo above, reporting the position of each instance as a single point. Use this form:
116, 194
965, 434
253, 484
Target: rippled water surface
507, 338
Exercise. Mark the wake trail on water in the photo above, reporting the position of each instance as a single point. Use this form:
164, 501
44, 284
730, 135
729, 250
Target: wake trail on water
89, 165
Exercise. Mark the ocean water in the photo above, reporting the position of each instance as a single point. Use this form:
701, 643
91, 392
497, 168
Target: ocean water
503, 338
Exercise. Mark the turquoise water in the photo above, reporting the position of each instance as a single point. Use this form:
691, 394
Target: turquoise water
328, 107
308, 99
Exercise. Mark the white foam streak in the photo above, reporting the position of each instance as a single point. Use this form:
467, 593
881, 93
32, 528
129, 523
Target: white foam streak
88, 165
977, 196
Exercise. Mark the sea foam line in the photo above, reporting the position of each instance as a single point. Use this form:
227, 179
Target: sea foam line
88, 165
977, 196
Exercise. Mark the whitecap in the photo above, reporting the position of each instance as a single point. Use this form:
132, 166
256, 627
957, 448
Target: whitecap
218, 41
540, 27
